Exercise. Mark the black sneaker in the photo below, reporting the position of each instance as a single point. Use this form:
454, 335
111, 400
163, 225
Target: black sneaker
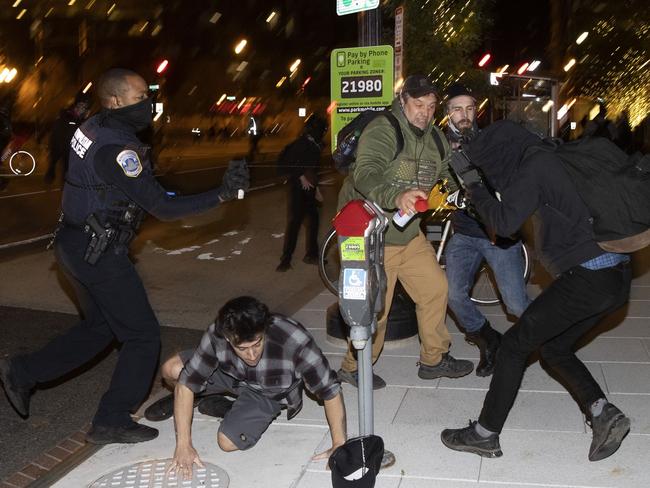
609, 429
310, 259
468, 440
130, 434
18, 397
353, 378
215, 405
164, 408
448, 367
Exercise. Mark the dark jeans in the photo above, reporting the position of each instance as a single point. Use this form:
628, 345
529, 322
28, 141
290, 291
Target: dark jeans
115, 306
301, 203
463, 256
572, 305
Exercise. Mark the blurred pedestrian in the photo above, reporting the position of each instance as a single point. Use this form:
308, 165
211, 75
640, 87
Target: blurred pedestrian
255, 133
600, 126
62, 131
300, 161
624, 137
265, 360
6, 134
108, 189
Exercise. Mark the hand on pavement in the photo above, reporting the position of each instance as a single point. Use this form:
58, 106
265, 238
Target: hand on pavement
183, 462
326, 454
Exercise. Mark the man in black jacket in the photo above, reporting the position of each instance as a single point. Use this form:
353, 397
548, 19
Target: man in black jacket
590, 284
301, 159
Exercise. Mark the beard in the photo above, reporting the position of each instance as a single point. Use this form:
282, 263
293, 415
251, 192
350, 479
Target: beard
463, 124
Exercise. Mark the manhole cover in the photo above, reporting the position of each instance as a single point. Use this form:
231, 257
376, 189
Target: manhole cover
151, 474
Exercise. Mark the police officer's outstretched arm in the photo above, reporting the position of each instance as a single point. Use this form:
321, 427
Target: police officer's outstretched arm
136, 180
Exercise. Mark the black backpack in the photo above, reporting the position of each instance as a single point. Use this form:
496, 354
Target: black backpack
615, 188
348, 139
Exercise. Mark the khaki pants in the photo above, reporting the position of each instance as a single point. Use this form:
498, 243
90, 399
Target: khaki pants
424, 280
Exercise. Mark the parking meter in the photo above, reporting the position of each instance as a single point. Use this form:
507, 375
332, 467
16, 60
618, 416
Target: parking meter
360, 227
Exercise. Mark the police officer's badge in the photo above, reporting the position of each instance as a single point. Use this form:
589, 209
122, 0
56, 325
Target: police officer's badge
130, 163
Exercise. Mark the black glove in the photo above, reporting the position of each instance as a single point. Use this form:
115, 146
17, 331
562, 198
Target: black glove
465, 171
236, 177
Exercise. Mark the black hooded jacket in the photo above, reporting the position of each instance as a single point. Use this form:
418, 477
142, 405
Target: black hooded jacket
531, 182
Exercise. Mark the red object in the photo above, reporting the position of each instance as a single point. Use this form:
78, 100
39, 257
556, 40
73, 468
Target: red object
484, 60
162, 66
353, 219
421, 205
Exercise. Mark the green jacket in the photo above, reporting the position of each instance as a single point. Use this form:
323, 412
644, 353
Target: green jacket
378, 177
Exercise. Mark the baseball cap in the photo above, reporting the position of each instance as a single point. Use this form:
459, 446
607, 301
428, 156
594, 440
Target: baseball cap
417, 86
457, 90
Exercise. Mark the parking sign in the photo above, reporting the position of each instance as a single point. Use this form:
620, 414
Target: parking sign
344, 7
361, 79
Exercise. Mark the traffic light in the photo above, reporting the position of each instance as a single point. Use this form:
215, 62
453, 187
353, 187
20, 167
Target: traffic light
162, 66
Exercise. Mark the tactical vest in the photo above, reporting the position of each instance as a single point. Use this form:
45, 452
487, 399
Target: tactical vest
84, 192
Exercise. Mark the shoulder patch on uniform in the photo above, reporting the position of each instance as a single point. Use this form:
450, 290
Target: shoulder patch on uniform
130, 163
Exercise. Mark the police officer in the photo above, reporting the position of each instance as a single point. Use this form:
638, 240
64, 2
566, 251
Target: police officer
108, 188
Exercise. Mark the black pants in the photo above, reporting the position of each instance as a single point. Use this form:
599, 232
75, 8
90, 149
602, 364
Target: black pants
571, 306
300, 204
115, 306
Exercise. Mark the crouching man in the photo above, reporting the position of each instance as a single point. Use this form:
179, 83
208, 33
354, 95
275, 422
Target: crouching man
264, 360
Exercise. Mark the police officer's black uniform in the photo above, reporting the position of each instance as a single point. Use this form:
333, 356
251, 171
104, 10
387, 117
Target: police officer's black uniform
110, 185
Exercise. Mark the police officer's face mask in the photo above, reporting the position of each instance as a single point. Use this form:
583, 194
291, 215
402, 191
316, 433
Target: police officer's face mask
139, 115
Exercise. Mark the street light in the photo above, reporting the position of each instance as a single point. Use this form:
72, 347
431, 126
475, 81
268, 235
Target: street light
7, 75
570, 64
240, 46
534, 65
582, 37
294, 65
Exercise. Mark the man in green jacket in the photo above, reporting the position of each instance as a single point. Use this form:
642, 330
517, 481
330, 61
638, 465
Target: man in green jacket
395, 183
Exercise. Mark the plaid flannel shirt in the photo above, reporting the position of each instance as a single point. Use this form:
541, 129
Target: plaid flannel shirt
290, 360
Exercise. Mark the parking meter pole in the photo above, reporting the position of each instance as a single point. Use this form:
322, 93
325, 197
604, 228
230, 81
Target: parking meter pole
366, 400
360, 226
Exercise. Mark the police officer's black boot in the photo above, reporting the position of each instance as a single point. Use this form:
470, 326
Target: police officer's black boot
488, 341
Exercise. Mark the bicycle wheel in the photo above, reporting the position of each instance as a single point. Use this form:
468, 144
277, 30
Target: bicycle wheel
329, 261
485, 290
